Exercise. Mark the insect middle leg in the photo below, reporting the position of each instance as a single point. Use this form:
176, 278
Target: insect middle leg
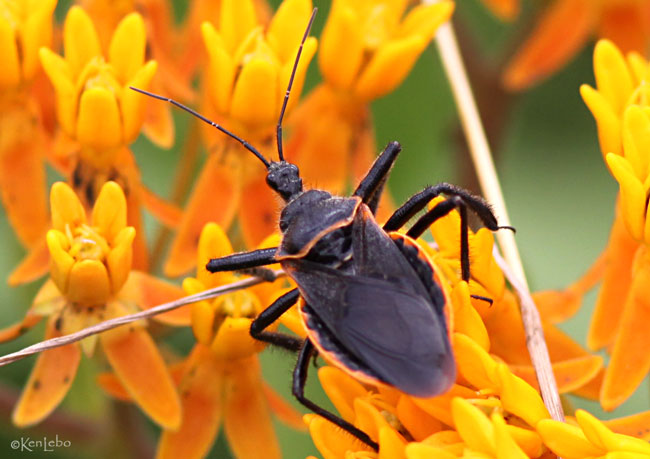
299, 380
270, 315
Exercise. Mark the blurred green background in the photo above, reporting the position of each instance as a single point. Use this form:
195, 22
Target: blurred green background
559, 194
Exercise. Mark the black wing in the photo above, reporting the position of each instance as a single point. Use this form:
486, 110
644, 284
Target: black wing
388, 326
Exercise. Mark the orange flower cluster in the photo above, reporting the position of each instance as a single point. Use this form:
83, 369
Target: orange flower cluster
66, 100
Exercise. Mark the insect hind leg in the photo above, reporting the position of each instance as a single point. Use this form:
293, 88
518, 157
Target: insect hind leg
299, 380
418, 201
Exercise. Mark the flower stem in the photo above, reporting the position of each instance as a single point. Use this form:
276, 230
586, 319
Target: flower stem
488, 179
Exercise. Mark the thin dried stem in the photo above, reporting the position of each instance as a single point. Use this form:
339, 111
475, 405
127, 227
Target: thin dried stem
482, 158
116, 322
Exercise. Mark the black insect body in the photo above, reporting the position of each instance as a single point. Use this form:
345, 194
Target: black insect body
370, 299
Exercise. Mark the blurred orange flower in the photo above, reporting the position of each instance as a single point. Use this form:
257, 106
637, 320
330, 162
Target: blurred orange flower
367, 50
246, 81
564, 28
24, 28
101, 115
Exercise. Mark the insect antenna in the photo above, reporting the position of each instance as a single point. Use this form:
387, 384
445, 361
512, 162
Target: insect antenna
245, 144
293, 74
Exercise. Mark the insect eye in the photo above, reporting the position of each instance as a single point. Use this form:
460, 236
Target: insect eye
283, 225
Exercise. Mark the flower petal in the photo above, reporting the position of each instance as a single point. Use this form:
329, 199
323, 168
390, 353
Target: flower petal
60, 74
136, 361
65, 207
636, 425
96, 104
80, 40
613, 77
213, 243
621, 250
466, 319
506, 447
559, 34
388, 67
282, 409
473, 426
127, 48
202, 405
566, 440
330, 440
341, 48
630, 360
607, 120
218, 183
602, 437
10, 75
341, 389
236, 20
36, 32
109, 211
287, 28
424, 20
134, 106
258, 217
569, 374
418, 422
88, 283
247, 418
148, 291
35, 265
49, 381
632, 194
506, 10
519, 397
254, 99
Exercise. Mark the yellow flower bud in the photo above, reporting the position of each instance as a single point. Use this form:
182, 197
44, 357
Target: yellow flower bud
248, 70
368, 49
89, 262
94, 103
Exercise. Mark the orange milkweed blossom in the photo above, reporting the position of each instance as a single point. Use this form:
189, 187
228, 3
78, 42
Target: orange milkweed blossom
101, 116
564, 28
248, 73
221, 380
506, 10
498, 326
489, 413
91, 281
367, 49
25, 26
619, 105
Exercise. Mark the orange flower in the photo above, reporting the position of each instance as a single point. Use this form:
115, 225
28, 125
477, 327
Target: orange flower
96, 108
564, 28
620, 106
90, 282
506, 10
24, 28
248, 73
222, 379
367, 49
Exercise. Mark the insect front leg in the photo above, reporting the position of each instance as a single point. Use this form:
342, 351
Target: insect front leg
270, 315
243, 260
372, 185
299, 380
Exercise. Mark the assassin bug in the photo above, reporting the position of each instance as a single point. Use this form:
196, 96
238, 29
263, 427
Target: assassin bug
371, 300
